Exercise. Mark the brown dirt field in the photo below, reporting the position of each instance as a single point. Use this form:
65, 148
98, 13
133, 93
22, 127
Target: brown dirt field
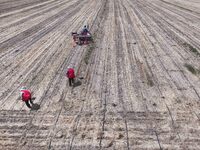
140, 87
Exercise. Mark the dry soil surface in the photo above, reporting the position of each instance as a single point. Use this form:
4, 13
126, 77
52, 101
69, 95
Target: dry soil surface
137, 85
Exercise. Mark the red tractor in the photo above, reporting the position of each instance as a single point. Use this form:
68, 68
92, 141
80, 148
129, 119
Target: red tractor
84, 37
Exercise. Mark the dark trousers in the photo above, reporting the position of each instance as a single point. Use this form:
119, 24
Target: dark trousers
27, 103
71, 81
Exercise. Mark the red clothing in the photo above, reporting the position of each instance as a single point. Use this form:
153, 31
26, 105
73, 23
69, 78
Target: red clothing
70, 73
26, 95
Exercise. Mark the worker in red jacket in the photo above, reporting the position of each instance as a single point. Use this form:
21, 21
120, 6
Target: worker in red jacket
26, 96
70, 74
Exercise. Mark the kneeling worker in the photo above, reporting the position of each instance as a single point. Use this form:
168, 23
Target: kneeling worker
26, 96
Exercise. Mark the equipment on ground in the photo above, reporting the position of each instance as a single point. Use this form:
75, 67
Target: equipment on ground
82, 38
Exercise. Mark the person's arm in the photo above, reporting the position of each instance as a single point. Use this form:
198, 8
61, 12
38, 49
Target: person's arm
20, 95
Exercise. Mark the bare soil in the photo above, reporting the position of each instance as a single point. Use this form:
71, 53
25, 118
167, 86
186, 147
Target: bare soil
140, 87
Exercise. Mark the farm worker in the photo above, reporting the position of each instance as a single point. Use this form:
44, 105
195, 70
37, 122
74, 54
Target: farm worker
85, 30
26, 96
70, 74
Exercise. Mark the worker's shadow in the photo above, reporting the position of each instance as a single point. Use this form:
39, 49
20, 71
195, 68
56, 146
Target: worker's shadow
77, 83
35, 106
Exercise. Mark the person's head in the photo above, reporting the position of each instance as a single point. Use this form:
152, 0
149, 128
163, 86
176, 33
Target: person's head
23, 88
69, 67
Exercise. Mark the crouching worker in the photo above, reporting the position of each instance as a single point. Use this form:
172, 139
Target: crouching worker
26, 96
70, 74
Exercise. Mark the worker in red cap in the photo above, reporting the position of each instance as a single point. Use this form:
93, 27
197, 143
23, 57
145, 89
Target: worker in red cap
26, 96
70, 74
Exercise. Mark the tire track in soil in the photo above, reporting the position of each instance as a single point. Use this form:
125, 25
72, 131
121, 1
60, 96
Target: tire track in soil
49, 139
104, 95
120, 60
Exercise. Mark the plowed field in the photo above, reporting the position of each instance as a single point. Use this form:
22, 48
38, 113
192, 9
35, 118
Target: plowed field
137, 86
